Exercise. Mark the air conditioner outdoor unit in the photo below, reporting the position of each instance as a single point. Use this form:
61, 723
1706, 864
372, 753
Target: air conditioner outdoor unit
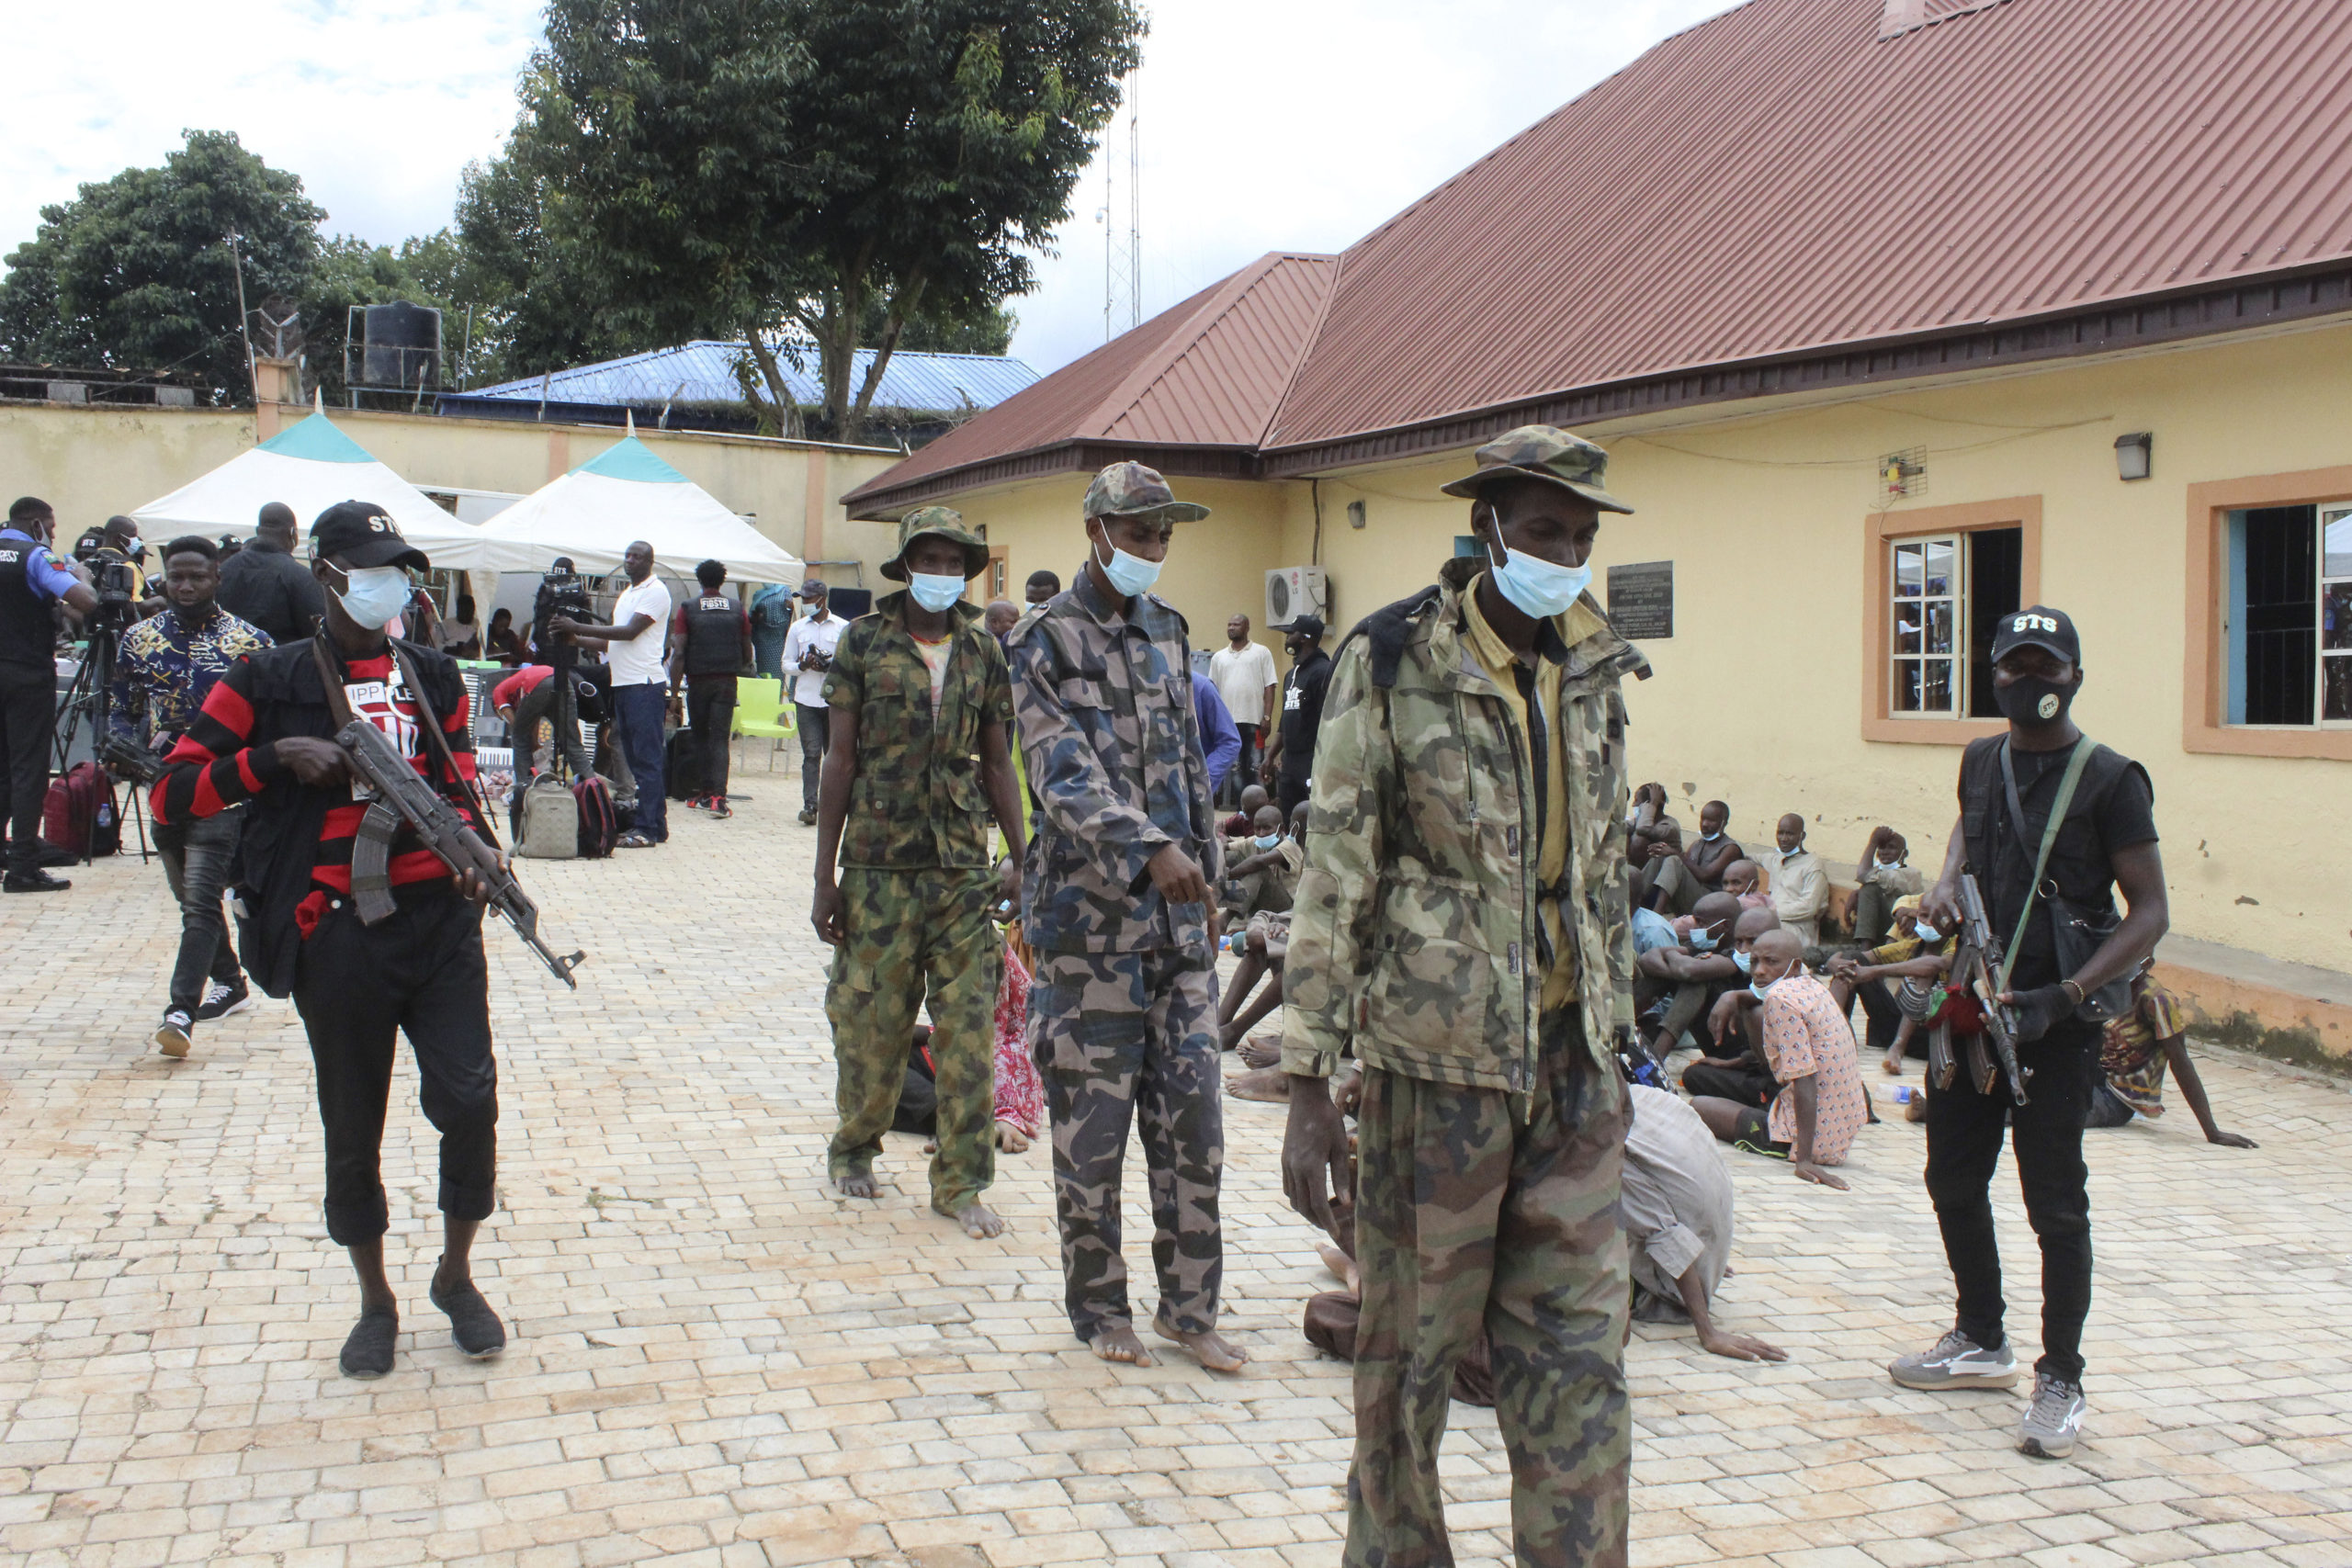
1295, 591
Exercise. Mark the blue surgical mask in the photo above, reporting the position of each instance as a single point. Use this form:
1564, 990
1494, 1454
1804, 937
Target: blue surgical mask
1756, 989
1267, 840
372, 595
1927, 932
1537, 587
935, 591
1747, 961
1702, 940
1709, 838
1129, 575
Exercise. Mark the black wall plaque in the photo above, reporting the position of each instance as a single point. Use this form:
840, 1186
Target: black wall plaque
1641, 600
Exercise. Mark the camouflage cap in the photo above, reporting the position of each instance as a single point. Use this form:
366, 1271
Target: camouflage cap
1130, 490
1546, 453
946, 522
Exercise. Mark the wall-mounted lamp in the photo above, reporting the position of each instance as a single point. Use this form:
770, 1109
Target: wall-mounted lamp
1355, 514
2133, 458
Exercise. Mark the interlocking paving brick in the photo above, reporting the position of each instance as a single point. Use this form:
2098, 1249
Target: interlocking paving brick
715, 1361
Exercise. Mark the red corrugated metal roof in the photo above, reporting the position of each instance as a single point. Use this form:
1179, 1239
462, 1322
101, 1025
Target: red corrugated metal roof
1208, 372
1781, 178
1778, 185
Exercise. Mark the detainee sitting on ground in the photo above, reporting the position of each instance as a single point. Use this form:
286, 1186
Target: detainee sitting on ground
1696, 971
2132, 1058
1676, 886
1245, 821
1678, 1211
1809, 1046
1262, 869
1744, 879
1734, 1068
1882, 876
1896, 983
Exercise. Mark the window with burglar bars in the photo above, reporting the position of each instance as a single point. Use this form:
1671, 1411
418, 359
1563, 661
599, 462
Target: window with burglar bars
2289, 615
1947, 592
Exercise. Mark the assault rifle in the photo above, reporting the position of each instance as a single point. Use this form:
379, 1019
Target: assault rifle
403, 795
1980, 950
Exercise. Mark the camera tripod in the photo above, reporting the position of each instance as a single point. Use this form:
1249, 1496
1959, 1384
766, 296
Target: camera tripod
90, 699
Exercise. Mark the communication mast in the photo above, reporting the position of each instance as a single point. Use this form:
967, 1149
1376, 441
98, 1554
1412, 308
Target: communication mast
1123, 249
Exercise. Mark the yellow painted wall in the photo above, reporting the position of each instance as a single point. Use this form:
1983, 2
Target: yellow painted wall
1764, 509
90, 463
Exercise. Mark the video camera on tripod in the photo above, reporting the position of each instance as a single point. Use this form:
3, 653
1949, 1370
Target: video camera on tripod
113, 577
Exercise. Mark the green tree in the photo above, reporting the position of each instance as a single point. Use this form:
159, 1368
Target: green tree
768, 169
135, 272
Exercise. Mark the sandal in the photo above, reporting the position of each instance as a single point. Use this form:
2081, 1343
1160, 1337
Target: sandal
632, 839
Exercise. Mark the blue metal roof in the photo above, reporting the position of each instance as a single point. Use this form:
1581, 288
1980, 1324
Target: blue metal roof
703, 372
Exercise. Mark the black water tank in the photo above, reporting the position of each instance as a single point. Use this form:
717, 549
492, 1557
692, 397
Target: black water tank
399, 342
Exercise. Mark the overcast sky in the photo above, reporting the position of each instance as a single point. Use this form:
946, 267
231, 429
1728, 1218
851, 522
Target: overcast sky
1293, 123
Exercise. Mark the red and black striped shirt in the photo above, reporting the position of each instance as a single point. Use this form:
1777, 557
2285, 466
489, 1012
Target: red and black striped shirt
229, 769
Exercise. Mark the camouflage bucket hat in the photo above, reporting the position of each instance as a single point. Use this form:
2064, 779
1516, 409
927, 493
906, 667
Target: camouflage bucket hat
946, 523
1542, 452
1130, 490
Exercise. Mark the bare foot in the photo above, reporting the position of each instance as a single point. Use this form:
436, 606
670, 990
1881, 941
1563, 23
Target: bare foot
1269, 1084
979, 1221
1892, 1063
858, 1184
931, 1147
1263, 1051
1341, 1264
1211, 1348
1120, 1344
1011, 1140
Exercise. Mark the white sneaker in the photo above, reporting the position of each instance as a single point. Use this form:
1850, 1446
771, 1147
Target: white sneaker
176, 1033
1957, 1361
2055, 1419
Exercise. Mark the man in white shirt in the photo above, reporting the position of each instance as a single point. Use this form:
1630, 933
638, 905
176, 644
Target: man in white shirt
808, 654
1800, 887
633, 646
1243, 673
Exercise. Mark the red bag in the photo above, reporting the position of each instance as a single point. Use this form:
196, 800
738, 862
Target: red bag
600, 825
78, 813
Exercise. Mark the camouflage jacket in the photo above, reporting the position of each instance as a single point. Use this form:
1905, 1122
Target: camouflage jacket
917, 800
1103, 704
1413, 933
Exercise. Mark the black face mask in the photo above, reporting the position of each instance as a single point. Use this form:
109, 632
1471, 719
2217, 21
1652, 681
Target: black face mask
2034, 700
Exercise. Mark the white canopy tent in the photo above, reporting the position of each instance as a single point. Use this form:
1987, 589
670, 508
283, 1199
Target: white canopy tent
310, 467
623, 494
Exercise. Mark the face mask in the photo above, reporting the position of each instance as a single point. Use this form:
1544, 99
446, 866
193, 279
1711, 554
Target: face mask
1702, 941
1537, 587
374, 594
1709, 838
1747, 961
1758, 987
1268, 841
1129, 575
935, 591
2034, 701
1927, 932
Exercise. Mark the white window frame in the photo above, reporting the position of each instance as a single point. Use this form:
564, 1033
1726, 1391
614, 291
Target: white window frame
1955, 655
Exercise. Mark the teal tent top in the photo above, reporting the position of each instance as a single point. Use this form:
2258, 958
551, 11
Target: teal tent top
627, 459
317, 440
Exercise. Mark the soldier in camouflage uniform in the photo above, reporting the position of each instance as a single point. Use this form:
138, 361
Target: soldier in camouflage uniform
1462, 925
1117, 904
916, 763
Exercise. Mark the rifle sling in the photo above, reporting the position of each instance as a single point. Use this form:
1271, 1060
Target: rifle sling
339, 708
2081, 757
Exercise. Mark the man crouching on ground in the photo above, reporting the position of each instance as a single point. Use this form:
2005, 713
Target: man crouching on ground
1463, 923
916, 763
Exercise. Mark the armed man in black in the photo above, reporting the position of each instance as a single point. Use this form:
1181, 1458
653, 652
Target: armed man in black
2051, 825
264, 735
710, 643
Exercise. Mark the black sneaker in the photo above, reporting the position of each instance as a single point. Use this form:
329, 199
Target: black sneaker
367, 1353
33, 881
220, 1001
472, 1324
176, 1033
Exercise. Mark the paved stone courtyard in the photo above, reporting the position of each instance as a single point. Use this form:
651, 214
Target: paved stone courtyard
713, 1360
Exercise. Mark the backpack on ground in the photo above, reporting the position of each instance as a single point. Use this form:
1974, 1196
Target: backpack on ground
681, 767
78, 814
551, 821
600, 825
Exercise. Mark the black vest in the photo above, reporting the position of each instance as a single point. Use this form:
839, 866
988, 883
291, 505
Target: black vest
27, 630
2002, 855
714, 636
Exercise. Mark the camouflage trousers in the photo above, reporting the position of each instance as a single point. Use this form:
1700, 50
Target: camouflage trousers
1121, 1037
912, 932
1468, 1217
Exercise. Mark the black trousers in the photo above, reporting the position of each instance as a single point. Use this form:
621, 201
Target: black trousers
197, 856
815, 725
419, 971
1245, 767
1750, 1083
1964, 1134
710, 714
28, 725
1288, 793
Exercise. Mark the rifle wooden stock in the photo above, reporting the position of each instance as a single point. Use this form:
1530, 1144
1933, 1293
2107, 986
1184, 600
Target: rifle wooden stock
1979, 951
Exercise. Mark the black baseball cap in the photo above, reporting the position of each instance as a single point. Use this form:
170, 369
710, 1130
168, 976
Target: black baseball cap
360, 533
2039, 626
1304, 625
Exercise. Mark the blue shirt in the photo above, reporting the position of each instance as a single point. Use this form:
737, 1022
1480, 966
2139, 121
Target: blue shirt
165, 669
48, 580
1217, 734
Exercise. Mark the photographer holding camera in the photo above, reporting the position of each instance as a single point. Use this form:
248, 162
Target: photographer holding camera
32, 583
163, 670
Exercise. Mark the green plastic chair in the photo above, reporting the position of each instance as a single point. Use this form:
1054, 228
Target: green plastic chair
761, 712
